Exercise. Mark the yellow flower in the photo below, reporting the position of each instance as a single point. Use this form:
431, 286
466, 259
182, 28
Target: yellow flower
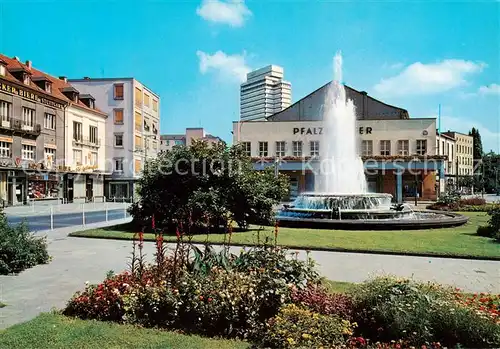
290, 341
306, 336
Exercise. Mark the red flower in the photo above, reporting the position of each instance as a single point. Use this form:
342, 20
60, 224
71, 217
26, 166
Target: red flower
209, 299
201, 298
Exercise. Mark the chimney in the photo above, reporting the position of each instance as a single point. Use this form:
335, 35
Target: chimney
16, 58
28, 64
63, 78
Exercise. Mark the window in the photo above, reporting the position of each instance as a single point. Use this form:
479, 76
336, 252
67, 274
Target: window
93, 158
118, 91
28, 152
155, 145
178, 142
280, 149
118, 116
48, 87
119, 164
366, 148
77, 157
93, 134
119, 140
442, 148
262, 149
50, 157
2, 70
146, 99
421, 146
5, 149
28, 117
297, 148
314, 148
138, 121
5, 109
385, 147
137, 166
155, 105
77, 131
49, 121
138, 96
247, 148
138, 142
403, 147
26, 79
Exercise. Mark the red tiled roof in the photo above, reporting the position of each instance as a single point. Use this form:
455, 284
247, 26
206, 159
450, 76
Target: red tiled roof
57, 84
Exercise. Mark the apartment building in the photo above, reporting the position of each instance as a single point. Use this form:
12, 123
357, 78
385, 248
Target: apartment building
132, 129
168, 141
464, 156
446, 145
264, 93
31, 133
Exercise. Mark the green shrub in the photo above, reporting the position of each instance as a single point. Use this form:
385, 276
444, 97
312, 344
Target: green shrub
485, 230
20, 249
296, 327
494, 222
388, 308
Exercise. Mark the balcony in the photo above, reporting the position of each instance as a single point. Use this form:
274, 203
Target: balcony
86, 142
18, 126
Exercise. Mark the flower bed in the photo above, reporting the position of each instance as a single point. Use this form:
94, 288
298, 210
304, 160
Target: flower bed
269, 297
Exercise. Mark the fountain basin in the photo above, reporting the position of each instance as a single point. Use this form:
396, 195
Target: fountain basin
360, 212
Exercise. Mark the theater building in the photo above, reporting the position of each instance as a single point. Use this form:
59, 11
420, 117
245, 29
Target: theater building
399, 153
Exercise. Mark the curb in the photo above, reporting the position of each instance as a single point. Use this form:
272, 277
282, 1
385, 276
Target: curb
324, 249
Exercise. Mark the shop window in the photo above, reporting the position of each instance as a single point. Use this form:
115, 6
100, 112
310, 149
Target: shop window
5, 108
28, 117
297, 148
118, 116
28, 152
49, 121
5, 149
263, 149
118, 91
421, 146
367, 148
385, 147
280, 149
403, 147
119, 140
118, 190
119, 165
77, 157
77, 131
247, 148
314, 148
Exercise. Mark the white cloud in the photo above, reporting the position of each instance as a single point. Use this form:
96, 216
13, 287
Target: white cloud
489, 138
419, 78
492, 89
229, 67
232, 12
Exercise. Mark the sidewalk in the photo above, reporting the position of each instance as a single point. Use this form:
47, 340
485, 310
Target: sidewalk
44, 210
77, 260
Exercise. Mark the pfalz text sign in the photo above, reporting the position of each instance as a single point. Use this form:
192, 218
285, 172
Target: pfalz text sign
319, 130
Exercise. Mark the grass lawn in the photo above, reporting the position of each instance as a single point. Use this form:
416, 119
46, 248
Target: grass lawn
457, 241
51, 331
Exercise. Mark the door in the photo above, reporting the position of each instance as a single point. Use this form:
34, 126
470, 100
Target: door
89, 189
70, 189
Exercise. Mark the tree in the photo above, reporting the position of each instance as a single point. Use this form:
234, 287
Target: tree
491, 171
201, 188
477, 144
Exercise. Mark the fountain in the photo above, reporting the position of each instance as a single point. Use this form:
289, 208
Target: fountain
341, 198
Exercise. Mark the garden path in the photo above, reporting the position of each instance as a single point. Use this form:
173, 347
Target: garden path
77, 260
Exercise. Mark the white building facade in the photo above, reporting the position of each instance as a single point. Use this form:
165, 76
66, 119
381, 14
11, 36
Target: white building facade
132, 130
446, 145
264, 93
85, 152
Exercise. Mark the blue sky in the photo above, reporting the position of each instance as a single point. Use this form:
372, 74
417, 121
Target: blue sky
415, 55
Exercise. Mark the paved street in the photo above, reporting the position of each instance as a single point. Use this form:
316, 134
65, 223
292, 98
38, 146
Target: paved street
76, 260
38, 217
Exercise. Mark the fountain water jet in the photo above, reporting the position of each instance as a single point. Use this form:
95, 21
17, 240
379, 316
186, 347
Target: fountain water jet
341, 197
